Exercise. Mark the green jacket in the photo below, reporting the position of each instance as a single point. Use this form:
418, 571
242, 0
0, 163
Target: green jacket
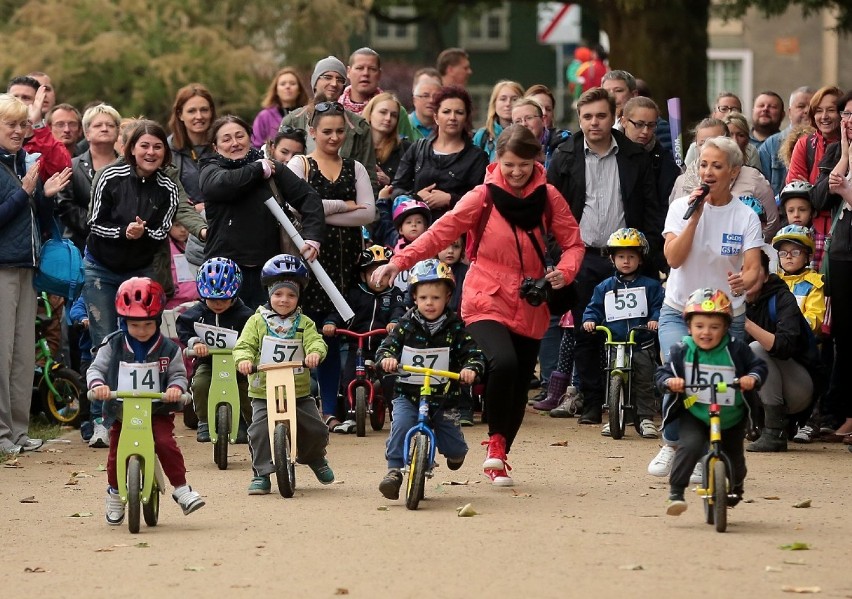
249, 345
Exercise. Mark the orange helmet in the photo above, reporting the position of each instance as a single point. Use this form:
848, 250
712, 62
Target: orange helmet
708, 301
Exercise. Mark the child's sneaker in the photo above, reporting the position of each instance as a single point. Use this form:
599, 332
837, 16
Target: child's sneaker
697, 474
495, 458
648, 429
805, 434
455, 463
466, 416
100, 435
114, 507
260, 485
661, 465
187, 499
500, 478
87, 429
389, 487
322, 471
676, 504
202, 435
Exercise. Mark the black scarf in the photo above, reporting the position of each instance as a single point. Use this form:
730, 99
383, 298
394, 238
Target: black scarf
524, 213
252, 156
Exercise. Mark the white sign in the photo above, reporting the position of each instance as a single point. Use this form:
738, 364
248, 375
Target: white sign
216, 337
622, 304
274, 350
437, 358
134, 376
558, 23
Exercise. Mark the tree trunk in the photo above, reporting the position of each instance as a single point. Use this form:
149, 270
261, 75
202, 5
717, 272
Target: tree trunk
665, 43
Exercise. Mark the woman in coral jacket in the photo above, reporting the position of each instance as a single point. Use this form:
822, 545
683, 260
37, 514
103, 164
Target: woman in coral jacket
509, 215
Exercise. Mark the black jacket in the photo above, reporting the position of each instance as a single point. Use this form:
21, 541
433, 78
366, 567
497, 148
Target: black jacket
455, 174
372, 311
240, 225
643, 208
745, 363
233, 318
72, 203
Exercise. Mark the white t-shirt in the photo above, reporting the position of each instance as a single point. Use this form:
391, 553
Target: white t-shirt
723, 234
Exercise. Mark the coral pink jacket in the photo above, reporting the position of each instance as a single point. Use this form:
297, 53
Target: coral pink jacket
491, 288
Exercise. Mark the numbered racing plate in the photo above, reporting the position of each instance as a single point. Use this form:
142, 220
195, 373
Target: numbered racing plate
432, 357
622, 304
216, 337
275, 350
712, 374
144, 377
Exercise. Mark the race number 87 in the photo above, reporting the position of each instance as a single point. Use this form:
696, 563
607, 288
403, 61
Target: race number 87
420, 360
284, 353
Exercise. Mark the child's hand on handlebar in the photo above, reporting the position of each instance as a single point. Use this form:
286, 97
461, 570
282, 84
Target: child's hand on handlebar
652, 325
467, 376
172, 395
390, 364
390, 326
244, 367
328, 330
101, 392
312, 360
589, 326
676, 385
747, 383
200, 350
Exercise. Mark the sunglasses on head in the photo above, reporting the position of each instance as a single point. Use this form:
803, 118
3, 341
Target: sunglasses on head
326, 106
300, 133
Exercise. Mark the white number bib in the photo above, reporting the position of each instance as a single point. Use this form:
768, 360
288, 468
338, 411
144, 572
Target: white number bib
183, 270
625, 303
712, 374
432, 357
133, 376
216, 337
275, 350
401, 280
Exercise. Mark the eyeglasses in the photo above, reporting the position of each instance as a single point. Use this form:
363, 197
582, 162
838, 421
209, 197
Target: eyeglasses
727, 109
326, 106
329, 78
526, 119
845, 114
13, 125
300, 133
425, 96
66, 125
643, 125
791, 253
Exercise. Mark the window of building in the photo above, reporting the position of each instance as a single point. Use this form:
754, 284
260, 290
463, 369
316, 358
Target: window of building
730, 71
486, 31
391, 36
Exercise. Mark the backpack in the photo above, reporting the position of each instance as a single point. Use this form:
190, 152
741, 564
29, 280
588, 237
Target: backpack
60, 267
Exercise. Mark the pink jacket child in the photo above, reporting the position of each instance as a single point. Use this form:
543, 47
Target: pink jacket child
183, 273
492, 285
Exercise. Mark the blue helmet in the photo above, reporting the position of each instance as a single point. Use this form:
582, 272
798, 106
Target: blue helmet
430, 271
285, 267
218, 278
755, 205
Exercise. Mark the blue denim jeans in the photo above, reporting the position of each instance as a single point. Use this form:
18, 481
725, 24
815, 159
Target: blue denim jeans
548, 351
99, 291
327, 374
448, 433
672, 330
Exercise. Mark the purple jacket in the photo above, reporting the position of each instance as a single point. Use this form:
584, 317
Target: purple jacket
265, 125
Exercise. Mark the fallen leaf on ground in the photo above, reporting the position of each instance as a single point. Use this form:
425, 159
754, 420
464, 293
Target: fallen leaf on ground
341, 591
81, 515
803, 590
466, 511
53, 450
81, 474
30, 499
516, 494
193, 568
615, 457
559, 444
805, 503
71, 482
101, 468
772, 498
795, 546
582, 494
104, 549
36, 570
339, 482
142, 545
453, 483
631, 567
382, 508
13, 464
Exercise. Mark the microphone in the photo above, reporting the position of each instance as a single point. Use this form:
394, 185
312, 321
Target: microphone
705, 189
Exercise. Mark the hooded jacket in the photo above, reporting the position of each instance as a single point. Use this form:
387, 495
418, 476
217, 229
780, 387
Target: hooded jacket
492, 285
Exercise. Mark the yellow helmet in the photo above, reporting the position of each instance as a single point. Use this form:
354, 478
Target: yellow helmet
430, 271
796, 234
627, 238
708, 301
375, 254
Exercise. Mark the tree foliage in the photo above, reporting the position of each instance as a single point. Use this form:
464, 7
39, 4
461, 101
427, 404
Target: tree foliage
135, 54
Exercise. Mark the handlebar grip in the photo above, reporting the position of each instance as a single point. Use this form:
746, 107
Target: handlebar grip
185, 397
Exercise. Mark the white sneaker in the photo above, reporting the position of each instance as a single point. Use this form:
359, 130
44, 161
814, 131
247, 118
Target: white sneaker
661, 465
648, 429
605, 432
805, 434
100, 436
695, 477
31, 444
114, 508
187, 499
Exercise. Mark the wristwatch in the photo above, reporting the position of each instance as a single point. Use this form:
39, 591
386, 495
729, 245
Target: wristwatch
39, 125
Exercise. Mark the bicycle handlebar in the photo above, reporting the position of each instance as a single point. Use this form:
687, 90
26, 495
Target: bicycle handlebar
185, 397
720, 387
429, 371
373, 333
211, 351
630, 339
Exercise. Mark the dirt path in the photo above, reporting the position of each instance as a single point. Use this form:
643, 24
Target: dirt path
584, 520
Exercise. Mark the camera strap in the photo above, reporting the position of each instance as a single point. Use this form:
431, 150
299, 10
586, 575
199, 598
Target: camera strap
546, 262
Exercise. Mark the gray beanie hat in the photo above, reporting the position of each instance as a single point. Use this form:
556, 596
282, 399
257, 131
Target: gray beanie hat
329, 63
292, 285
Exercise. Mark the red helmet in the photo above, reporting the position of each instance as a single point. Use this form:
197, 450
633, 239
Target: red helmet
140, 298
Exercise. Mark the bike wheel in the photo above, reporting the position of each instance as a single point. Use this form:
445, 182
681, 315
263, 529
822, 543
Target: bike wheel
377, 414
151, 510
720, 495
360, 411
615, 403
66, 405
223, 430
134, 492
415, 489
285, 470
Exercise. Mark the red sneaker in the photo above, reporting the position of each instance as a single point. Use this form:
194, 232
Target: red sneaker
495, 458
500, 478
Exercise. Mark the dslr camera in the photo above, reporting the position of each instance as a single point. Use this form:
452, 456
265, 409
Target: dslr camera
535, 291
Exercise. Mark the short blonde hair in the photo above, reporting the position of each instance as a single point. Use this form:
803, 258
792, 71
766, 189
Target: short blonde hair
94, 111
12, 108
727, 146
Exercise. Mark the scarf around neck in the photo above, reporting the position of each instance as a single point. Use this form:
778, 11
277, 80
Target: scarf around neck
253, 155
284, 327
350, 104
525, 213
